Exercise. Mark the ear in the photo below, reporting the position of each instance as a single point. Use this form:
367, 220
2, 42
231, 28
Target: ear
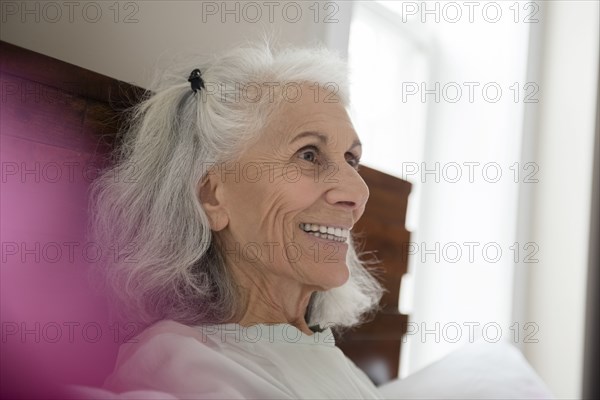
210, 194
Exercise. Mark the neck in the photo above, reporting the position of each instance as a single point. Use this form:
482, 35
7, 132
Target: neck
273, 300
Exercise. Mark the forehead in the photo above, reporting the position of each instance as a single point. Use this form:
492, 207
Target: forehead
316, 110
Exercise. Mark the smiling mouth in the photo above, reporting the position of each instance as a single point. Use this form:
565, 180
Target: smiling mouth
324, 232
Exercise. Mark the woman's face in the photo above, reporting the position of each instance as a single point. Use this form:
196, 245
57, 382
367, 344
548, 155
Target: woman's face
300, 175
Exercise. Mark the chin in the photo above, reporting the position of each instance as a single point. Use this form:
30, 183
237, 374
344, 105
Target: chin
338, 276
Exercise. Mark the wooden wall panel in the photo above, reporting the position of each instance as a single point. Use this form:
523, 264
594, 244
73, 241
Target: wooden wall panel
375, 347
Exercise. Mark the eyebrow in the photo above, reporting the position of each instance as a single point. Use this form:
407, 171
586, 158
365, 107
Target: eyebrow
322, 137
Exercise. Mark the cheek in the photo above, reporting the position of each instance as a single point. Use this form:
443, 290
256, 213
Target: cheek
256, 209
302, 192
267, 209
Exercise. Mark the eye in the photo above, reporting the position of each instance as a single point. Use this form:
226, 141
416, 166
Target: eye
309, 153
353, 160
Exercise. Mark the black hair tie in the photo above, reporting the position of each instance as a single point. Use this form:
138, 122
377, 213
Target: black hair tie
196, 80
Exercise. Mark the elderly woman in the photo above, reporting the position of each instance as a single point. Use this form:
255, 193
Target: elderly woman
230, 207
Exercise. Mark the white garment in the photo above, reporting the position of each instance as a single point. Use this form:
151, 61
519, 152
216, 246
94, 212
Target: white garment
229, 361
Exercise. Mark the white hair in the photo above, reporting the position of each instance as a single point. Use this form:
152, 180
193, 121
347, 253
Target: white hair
145, 206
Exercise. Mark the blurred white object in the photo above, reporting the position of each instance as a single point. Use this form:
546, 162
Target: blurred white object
480, 370
92, 393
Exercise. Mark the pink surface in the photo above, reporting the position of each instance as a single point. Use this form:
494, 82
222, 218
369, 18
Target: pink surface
54, 327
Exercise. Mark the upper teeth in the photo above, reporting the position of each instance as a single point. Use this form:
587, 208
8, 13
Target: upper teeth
339, 232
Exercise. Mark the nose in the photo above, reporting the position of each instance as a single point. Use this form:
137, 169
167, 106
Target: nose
347, 189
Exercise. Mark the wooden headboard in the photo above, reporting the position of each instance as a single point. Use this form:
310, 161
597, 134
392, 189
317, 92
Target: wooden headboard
375, 346
55, 112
